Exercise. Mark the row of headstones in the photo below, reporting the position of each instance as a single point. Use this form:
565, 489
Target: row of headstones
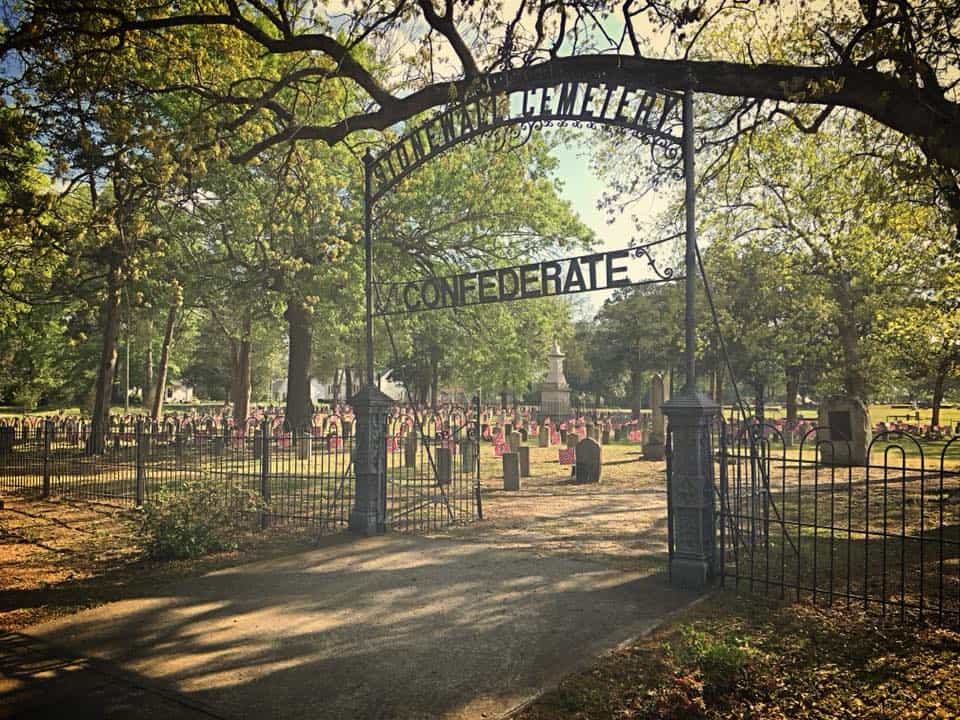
600, 433
588, 462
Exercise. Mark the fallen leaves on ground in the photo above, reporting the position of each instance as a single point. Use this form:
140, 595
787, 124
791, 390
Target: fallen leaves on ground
799, 662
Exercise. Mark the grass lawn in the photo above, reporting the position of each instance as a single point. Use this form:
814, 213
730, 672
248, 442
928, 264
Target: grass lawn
878, 413
200, 406
739, 657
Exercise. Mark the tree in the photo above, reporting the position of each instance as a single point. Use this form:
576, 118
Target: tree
829, 224
638, 331
893, 61
770, 316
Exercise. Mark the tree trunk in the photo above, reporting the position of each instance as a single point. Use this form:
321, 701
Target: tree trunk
103, 388
161, 390
336, 386
718, 397
348, 382
241, 371
793, 387
938, 388
854, 382
146, 383
299, 408
636, 393
434, 382
760, 402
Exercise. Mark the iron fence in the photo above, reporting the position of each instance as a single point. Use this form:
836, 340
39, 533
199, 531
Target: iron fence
303, 477
797, 519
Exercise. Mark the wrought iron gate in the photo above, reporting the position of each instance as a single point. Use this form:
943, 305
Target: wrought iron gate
433, 470
884, 536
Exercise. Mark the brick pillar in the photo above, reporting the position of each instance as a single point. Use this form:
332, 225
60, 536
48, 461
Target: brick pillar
372, 407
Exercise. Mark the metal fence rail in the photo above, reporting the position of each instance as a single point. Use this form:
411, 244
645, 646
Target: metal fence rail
884, 535
302, 477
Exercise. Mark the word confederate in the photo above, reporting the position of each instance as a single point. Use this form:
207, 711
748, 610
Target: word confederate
599, 271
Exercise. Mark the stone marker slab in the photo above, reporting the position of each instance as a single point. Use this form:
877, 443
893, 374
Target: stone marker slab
410, 450
844, 432
524, 454
589, 461
511, 471
444, 464
544, 439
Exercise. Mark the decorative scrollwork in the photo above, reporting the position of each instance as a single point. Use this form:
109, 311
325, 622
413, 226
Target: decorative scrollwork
643, 252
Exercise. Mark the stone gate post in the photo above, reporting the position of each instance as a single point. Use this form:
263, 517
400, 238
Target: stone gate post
372, 407
691, 490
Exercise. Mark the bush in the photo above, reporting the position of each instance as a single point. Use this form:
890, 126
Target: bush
202, 517
721, 660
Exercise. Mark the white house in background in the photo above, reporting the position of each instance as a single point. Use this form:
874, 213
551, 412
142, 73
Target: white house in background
324, 391
178, 391
278, 390
394, 390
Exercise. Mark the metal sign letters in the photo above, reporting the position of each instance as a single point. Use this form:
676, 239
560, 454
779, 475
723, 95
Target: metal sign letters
663, 117
585, 273
654, 114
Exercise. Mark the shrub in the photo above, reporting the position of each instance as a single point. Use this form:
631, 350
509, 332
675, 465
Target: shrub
200, 518
721, 660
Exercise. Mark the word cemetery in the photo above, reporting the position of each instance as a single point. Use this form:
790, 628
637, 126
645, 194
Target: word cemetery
642, 111
597, 271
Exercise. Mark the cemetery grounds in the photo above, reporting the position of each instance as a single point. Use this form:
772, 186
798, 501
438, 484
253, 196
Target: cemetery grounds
736, 656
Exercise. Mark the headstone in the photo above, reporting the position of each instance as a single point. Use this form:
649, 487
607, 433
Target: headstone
563, 435
444, 465
513, 440
588, 430
507, 429
511, 471
788, 435
524, 436
653, 448
572, 439
606, 436
589, 461
524, 455
544, 439
305, 446
844, 433
468, 454
180, 441
410, 450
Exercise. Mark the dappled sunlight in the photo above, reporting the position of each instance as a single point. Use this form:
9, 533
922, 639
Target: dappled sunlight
386, 623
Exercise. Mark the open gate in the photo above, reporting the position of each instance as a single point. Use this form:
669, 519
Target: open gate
884, 536
432, 476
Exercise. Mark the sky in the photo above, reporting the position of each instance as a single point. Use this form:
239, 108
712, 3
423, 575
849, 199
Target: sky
583, 189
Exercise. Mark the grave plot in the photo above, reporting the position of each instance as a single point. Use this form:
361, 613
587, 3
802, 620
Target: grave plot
619, 521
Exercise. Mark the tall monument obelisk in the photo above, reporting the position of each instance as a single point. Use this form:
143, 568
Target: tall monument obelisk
555, 393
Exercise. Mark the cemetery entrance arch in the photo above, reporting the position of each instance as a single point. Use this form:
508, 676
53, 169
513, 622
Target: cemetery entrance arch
661, 118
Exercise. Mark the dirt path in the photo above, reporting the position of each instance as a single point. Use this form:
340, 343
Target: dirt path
620, 522
58, 556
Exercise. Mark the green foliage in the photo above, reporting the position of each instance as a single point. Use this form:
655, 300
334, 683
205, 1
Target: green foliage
721, 659
200, 518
